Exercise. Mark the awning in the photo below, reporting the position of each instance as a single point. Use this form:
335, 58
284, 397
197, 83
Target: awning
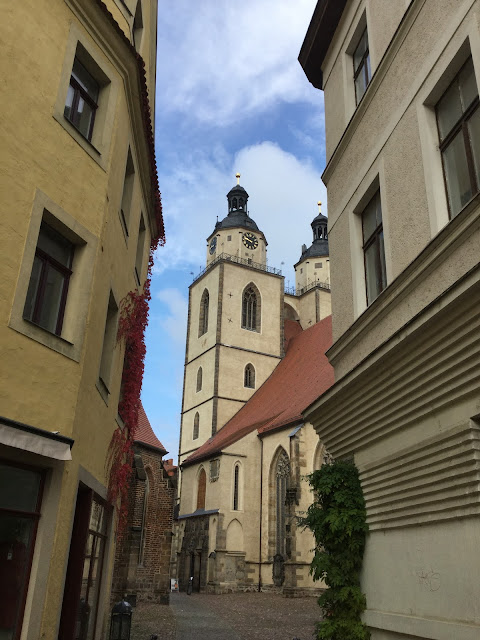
44, 443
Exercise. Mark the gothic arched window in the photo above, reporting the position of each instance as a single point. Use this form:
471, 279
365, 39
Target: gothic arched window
236, 488
249, 376
201, 489
251, 308
203, 319
282, 475
199, 379
196, 426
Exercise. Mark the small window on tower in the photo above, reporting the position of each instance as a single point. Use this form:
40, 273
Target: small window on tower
229, 238
318, 265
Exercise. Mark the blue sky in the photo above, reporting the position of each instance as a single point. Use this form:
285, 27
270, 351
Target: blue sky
231, 96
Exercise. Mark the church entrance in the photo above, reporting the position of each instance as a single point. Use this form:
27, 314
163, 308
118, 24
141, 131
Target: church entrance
196, 570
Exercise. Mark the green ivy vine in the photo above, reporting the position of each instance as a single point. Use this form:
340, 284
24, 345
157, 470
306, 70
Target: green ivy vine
337, 519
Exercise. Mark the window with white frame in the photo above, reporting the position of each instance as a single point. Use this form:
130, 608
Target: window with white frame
373, 248
362, 73
458, 121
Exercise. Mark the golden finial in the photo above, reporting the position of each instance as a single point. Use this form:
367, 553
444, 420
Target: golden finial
237, 175
319, 207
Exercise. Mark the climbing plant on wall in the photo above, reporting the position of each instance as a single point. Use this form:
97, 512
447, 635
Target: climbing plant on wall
337, 519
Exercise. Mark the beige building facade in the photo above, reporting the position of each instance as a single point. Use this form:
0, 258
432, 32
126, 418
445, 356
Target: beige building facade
401, 81
80, 207
251, 366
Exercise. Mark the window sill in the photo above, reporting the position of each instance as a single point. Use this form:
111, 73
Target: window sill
102, 390
80, 139
45, 337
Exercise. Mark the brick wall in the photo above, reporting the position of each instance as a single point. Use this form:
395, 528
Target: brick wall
142, 558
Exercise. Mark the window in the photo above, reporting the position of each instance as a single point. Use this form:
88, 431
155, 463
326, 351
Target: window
236, 482
251, 309
229, 238
199, 379
282, 476
140, 250
203, 319
20, 498
373, 249
82, 99
196, 426
201, 489
138, 26
109, 342
458, 120
214, 470
84, 571
127, 192
361, 67
249, 376
49, 279
318, 265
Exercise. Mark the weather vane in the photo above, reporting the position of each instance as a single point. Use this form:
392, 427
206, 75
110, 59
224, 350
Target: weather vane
237, 175
319, 207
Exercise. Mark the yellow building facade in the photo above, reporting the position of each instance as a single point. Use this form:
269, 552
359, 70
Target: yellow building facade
80, 207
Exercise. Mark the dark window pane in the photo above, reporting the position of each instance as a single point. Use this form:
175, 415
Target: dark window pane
372, 280
69, 102
369, 220
456, 174
32, 289
468, 85
360, 86
360, 50
449, 110
474, 133
84, 117
58, 247
16, 537
52, 298
85, 80
19, 488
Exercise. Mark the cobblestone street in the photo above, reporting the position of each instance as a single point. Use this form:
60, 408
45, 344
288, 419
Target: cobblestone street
244, 616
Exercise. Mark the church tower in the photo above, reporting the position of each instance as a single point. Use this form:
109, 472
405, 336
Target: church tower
235, 325
314, 264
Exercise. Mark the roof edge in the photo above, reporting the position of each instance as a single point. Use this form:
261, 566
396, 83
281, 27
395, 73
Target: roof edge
318, 38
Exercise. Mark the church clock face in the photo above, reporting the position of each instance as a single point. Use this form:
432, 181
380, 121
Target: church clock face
213, 244
250, 240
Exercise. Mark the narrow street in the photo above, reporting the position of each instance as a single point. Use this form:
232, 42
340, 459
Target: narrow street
244, 616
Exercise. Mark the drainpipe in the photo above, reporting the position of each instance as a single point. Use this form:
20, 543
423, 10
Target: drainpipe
261, 516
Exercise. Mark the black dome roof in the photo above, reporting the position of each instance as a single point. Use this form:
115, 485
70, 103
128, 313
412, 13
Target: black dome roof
319, 247
237, 211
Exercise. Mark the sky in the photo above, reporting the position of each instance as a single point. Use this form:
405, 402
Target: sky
230, 97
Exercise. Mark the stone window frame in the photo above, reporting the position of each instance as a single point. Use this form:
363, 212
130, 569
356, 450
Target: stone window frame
246, 314
109, 345
237, 486
374, 239
203, 313
196, 426
94, 60
201, 488
70, 342
465, 44
199, 379
349, 72
249, 376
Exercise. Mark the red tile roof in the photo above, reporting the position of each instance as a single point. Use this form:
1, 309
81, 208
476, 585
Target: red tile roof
169, 467
144, 432
302, 375
291, 328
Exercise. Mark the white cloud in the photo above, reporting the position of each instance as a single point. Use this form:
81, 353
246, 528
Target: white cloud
174, 322
218, 58
283, 192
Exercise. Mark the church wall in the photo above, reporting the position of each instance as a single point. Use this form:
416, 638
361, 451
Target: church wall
271, 292
192, 397
198, 344
232, 366
188, 444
